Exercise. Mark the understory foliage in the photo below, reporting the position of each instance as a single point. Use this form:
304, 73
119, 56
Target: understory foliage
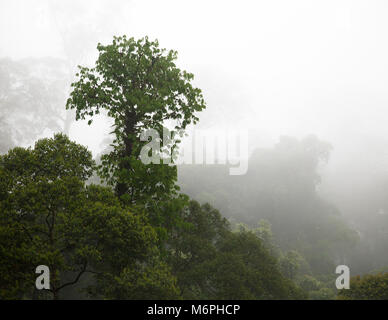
51, 217
212, 262
367, 287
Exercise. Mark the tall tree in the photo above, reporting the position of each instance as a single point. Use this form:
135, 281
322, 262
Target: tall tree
141, 88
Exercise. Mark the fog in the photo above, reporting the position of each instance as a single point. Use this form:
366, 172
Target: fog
276, 68
279, 68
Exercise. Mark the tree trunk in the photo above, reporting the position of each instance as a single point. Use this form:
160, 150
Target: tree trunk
129, 133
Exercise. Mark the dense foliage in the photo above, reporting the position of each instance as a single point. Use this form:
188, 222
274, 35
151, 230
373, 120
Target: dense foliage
50, 217
368, 287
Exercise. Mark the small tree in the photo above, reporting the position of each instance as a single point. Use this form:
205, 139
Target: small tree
140, 87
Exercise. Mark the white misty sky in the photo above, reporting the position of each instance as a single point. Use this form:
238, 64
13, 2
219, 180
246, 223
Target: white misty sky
276, 67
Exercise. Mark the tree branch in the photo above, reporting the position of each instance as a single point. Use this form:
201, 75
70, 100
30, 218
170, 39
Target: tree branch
75, 280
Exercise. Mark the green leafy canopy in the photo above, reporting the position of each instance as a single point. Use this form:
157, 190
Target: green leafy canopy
140, 87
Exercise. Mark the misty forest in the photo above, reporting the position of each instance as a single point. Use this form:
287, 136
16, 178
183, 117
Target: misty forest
82, 81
